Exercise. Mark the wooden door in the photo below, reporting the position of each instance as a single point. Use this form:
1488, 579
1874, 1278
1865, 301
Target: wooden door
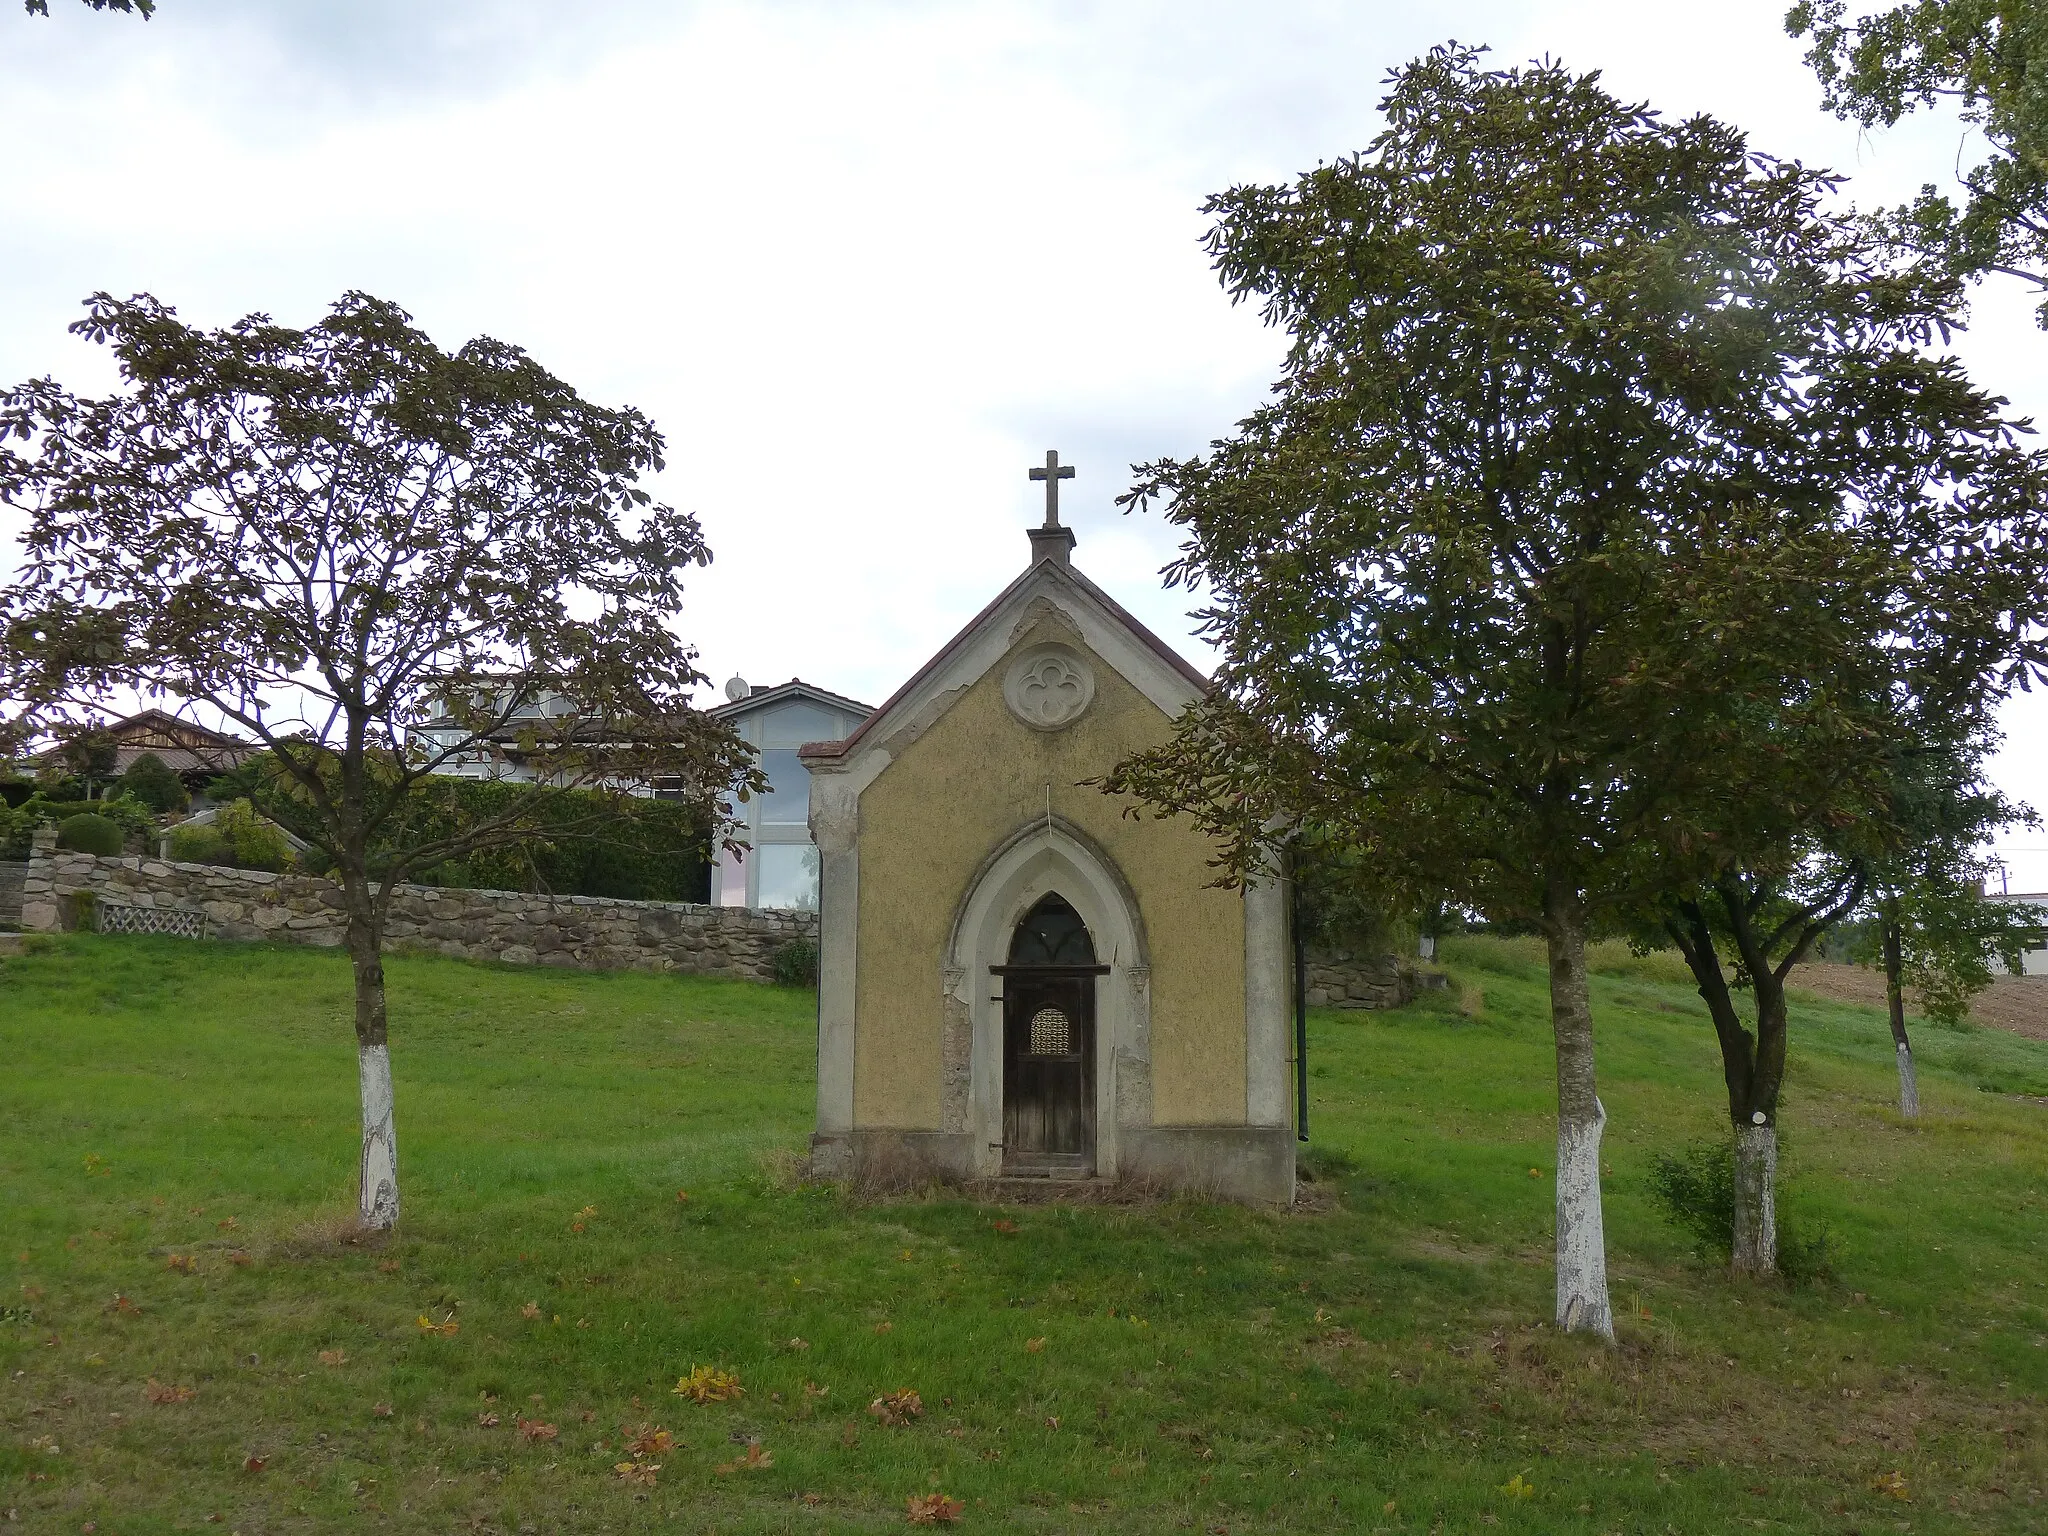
1048, 1072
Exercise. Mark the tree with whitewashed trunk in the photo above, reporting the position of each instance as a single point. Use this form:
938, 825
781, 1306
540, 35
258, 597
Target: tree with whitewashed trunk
1519, 576
1936, 931
327, 539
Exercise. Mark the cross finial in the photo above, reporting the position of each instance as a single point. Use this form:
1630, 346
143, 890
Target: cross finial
1053, 473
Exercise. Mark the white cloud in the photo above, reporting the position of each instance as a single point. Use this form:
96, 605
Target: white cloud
863, 263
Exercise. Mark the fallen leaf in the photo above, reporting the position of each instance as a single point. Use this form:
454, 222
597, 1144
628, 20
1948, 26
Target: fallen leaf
641, 1474
227, 1224
1033, 1346
530, 1310
125, 1307
334, 1357
797, 1344
1893, 1486
1006, 1228
447, 1329
183, 1263
388, 1267
255, 1463
488, 1420
380, 1410
533, 1429
754, 1460
1052, 1421
651, 1440
897, 1408
239, 1257
885, 1327
1517, 1488
682, 1197
932, 1509
709, 1384
813, 1390
159, 1393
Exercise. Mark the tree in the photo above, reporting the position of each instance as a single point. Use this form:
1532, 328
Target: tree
324, 536
87, 753
151, 782
1935, 930
1768, 923
1990, 58
1520, 578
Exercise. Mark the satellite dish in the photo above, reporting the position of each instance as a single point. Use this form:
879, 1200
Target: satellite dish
737, 689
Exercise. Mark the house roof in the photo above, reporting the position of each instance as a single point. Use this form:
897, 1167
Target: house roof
156, 727
183, 746
795, 688
1052, 570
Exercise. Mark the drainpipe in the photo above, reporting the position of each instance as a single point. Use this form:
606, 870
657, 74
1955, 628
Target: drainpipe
1300, 1017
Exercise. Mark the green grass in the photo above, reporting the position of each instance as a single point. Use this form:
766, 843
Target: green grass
1376, 1361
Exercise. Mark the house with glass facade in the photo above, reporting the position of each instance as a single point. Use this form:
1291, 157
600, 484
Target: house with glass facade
779, 867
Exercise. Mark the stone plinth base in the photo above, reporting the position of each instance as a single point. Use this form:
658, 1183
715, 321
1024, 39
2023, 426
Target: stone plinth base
1251, 1164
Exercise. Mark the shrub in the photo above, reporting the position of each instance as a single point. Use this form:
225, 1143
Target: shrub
154, 785
90, 833
1696, 1189
236, 837
796, 964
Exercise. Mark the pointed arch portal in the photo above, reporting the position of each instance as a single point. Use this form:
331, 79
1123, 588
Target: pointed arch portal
1048, 962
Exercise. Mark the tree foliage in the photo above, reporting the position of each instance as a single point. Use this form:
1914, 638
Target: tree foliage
1989, 58
143, 8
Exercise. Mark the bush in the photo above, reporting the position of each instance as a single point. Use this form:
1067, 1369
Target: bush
796, 964
1696, 1189
235, 837
90, 833
656, 851
154, 785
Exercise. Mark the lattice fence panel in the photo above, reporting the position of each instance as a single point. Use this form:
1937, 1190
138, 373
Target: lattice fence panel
177, 922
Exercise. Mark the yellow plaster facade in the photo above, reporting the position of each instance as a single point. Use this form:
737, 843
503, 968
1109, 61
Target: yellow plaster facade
927, 823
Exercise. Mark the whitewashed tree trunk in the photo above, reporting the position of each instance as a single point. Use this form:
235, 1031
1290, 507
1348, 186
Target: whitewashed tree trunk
1756, 1199
378, 1189
1582, 1303
1895, 1011
379, 1184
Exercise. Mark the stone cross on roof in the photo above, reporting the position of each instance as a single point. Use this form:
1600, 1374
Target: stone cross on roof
1050, 541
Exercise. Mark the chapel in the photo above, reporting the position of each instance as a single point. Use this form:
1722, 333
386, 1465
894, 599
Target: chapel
1016, 980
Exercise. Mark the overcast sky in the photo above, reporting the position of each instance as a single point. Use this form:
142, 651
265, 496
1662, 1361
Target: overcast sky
862, 262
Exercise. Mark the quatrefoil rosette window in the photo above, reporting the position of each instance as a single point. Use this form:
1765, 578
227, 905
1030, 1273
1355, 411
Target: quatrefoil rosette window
1049, 687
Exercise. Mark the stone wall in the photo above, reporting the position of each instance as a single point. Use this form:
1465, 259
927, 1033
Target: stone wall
583, 932
1339, 978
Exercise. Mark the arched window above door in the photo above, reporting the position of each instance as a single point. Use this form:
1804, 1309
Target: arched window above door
1052, 933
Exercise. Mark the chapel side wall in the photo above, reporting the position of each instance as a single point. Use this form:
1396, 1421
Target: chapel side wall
927, 822
579, 932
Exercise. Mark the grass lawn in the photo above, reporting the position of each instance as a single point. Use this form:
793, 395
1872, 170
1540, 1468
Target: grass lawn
177, 1151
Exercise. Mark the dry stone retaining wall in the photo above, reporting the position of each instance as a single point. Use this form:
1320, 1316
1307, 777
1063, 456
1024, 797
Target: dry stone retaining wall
1338, 978
583, 932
